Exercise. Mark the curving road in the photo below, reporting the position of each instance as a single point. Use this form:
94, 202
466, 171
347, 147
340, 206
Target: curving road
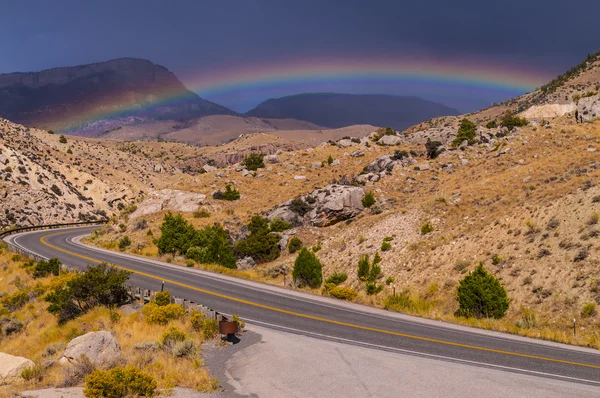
326, 318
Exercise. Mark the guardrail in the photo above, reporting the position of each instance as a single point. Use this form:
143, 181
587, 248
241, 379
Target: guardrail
50, 226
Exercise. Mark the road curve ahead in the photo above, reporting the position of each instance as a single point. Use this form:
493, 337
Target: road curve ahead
326, 318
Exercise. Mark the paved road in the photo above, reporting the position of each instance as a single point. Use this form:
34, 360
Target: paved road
324, 318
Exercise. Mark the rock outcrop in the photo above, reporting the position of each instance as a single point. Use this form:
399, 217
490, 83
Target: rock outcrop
588, 109
548, 111
11, 368
326, 206
101, 348
169, 199
389, 140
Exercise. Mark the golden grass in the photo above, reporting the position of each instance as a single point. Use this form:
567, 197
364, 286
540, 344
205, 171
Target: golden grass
41, 331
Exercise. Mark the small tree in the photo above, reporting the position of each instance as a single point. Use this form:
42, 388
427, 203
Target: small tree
230, 193
295, 245
369, 199
432, 148
389, 131
308, 269
177, 235
254, 161
62, 139
480, 294
466, 131
44, 268
261, 244
510, 120
364, 267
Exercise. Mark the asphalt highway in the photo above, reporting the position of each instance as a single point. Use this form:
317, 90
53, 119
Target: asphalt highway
330, 319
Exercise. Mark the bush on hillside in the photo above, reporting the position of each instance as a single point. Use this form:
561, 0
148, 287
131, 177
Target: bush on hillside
369, 199
300, 207
119, 382
262, 245
480, 294
295, 245
367, 270
230, 193
308, 270
491, 124
278, 225
389, 131
212, 245
343, 293
177, 235
466, 131
62, 139
337, 278
44, 268
124, 242
99, 285
254, 161
510, 120
432, 148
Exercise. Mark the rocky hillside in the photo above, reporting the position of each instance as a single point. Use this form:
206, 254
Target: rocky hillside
339, 110
48, 179
96, 98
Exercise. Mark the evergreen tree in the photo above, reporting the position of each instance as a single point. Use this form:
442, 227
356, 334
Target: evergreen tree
480, 294
308, 269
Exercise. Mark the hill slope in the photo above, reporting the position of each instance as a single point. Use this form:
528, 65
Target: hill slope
91, 99
339, 110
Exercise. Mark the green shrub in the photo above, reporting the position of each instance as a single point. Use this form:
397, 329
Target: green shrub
278, 225
307, 269
210, 328
162, 298
70, 151
254, 161
426, 228
201, 213
261, 244
466, 131
119, 382
480, 294
99, 285
337, 278
32, 373
389, 280
491, 124
300, 207
373, 288
527, 318
212, 244
399, 302
124, 242
386, 246
15, 301
44, 268
510, 120
589, 310
189, 262
177, 235
183, 349
230, 193
162, 314
369, 199
197, 320
172, 336
316, 248
50, 131
389, 131
62, 139
295, 245
432, 148
364, 266
496, 259
343, 293
329, 160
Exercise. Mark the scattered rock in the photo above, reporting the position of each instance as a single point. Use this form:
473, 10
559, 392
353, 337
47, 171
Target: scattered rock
208, 168
100, 348
423, 167
380, 164
357, 154
316, 165
11, 367
335, 162
298, 178
245, 263
345, 142
272, 159
169, 199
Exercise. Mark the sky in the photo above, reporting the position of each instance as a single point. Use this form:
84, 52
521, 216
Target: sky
241, 52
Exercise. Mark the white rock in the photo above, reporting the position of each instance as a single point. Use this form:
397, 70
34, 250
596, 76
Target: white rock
297, 178
11, 368
272, 159
169, 199
100, 348
389, 140
316, 165
335, 162
208, 168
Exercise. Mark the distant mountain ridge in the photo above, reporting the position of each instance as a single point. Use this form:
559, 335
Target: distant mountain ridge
121, 91
338, 110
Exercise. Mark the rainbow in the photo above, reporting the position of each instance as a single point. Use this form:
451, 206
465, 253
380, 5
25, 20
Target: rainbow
468, 75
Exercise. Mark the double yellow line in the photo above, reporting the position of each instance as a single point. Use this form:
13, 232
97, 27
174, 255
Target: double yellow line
317, 318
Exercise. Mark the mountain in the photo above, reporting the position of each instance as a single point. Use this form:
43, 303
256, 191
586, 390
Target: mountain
339, 110
95, 98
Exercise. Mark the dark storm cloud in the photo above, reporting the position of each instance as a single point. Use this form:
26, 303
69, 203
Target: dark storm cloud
192, 36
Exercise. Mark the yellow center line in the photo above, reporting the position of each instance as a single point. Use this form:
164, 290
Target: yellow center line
317, 318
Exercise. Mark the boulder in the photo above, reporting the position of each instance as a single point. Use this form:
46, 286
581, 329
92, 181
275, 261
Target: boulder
326, 206
283, 242
208, 168
422, 167
345, 142
245, 263
3, 160
370, 177
588, 109
357, 154
101, 348
380, 164
335, 162
11, 367
158, 168
272, 159
169, 199
389, 140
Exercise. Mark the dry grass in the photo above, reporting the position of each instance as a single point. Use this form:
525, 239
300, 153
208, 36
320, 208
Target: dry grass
41, 332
